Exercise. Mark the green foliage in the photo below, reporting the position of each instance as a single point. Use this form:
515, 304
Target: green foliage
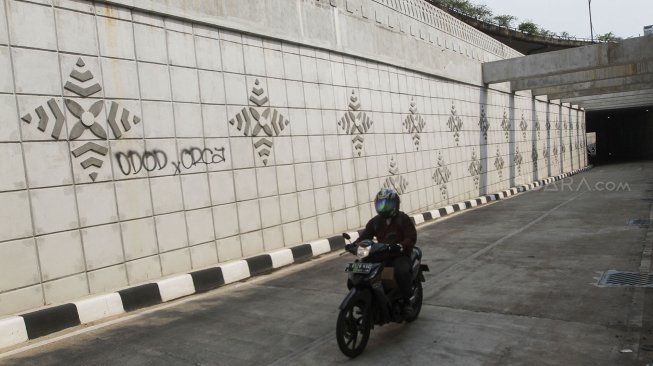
505, 20
529, 27
608, 37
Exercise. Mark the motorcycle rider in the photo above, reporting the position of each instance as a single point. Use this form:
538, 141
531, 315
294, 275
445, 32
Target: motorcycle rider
395, 228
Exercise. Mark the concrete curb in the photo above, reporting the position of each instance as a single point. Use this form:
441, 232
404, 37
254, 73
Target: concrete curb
18, 329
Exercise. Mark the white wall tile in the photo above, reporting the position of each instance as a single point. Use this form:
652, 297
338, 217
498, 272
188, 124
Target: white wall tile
242, 152
208, 53
185, 86
96, 203
177, 261
31, 25
68, 288
107, 279
76, 32
13, 173
215, 121
133, 199
143, 270
229, 249
171, 231
36, 72
212, 89
48, 164
116, 38
139, 239
204, 255
289, 207
9, 129
158, 120
200, 226
225, 221
252, 243
19, 259
196, 191
188, 120
150, 43
266, 179
249, 216
232, 57
238, 90
102, 246
309, 229
15, 220
166, 194
254, 60
273, 238
155, 82
292, 233
306, 202
53, 209
120, 78
181, 49
222, 187
245, 183
60, 255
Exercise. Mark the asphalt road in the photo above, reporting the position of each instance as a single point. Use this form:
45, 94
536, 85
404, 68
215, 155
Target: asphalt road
511, 283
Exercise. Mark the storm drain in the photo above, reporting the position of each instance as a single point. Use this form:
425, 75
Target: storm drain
640, 222
626, 279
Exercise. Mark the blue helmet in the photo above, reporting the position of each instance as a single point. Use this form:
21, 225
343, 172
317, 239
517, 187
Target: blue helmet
387, 202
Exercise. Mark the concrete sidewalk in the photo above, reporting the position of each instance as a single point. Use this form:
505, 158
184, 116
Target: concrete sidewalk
512, 283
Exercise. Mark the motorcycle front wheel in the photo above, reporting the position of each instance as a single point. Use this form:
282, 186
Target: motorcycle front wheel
353, 329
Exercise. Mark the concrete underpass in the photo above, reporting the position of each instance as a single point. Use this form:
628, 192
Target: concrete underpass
511, 283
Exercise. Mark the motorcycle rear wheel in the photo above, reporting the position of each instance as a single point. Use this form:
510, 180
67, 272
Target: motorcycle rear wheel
417, 304
353, 329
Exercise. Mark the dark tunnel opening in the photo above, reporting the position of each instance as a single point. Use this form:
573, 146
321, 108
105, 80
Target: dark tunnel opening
621, 134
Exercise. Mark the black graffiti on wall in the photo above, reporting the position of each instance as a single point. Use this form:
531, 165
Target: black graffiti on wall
133, 162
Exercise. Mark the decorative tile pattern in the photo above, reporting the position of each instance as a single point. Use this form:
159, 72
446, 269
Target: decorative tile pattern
475, 168
518, 160
534, 155
414, 124
483, 123
455, 123
442, 176
499, 163
505, 125
82, 83
356, 122
395, 181
523, 125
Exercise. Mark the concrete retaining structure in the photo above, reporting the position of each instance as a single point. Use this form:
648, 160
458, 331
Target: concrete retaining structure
143, 139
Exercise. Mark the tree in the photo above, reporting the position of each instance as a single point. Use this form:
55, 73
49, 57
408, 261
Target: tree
529, 27
608, 37
482, 12
565, 35
505, 20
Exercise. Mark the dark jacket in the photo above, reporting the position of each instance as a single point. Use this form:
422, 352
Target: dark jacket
400, 230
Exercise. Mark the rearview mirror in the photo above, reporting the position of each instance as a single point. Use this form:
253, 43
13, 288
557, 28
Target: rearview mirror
346, 236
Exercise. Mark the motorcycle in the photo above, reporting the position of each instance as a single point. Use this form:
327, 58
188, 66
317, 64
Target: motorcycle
374, 297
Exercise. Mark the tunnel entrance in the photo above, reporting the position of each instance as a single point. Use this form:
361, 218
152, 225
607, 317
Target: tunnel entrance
622, 134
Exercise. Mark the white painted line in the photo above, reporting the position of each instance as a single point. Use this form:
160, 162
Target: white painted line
234, 271
99, 307
176, 287
281, 258
320, 247
418, 219
12, 331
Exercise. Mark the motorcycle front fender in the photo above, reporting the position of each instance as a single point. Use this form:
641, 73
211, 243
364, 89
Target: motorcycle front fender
354, 295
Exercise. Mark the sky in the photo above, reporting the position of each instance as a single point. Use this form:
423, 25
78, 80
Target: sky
624, 18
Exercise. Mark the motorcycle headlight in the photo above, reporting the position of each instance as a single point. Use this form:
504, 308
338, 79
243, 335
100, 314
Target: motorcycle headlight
363, 251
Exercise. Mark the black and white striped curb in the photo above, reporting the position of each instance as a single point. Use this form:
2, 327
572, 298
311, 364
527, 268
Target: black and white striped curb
17, 329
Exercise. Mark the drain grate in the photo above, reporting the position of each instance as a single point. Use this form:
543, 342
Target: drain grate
640, 222
614, 278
